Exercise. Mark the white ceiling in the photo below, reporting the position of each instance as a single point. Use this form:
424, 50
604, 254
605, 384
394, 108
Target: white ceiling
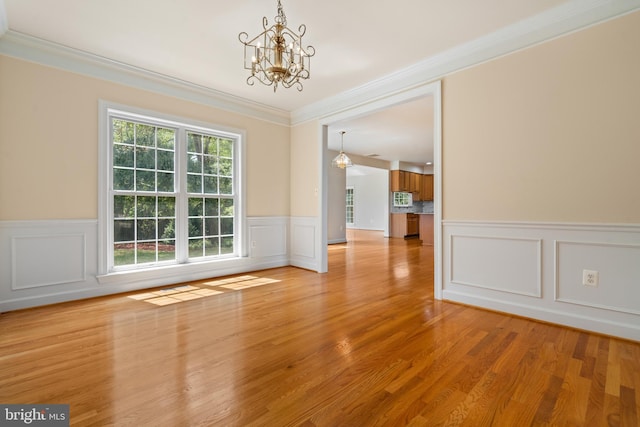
356, 42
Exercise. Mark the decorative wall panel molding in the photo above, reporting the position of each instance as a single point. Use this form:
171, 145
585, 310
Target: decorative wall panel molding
495, 265
303, 243
268, 237
47, 260
511, 265
618, 267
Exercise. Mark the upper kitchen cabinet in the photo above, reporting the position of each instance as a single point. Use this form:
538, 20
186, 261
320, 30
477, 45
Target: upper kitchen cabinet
416, 186
400, 181
426, 192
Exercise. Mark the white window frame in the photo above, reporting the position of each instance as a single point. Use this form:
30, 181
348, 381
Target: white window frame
106, 270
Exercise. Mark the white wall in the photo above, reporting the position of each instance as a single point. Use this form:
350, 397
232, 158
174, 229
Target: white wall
336, 213
371, 197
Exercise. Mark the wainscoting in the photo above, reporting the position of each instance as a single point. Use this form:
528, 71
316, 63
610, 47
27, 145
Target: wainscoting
536, 270
45, 262
305, 233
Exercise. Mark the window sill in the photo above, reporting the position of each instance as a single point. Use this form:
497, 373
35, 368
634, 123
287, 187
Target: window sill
163, 275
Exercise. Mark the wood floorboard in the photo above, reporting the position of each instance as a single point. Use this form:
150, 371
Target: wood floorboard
365, 344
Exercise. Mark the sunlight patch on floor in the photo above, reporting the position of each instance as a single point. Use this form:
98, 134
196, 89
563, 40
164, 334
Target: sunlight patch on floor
189, 292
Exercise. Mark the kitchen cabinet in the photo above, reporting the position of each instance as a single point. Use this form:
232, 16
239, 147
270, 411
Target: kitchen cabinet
413, 226
405, 225
399, 181
408, 182
426, 192
416, 185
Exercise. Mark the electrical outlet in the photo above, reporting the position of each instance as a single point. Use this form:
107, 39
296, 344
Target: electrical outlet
253, 244
590, 278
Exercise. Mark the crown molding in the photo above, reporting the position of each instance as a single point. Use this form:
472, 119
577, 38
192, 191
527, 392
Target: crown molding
51, 54
4, 21
564, 19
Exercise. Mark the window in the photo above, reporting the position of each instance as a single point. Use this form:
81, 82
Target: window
402, 199
172, 195
349, 205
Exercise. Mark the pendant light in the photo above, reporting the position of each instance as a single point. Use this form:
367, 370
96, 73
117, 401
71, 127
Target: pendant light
342, 160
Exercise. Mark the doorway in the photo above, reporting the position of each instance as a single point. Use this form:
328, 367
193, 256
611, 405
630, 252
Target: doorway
432, 90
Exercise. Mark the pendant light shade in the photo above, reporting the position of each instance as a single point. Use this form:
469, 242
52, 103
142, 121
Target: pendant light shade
342, 160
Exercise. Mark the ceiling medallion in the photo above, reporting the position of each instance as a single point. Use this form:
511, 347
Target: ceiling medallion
277, 56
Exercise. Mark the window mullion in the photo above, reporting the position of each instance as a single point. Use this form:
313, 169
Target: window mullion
182, 211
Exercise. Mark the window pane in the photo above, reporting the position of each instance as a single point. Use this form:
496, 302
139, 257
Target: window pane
194, 183
165, 182
123, 231
211, 227
165, 160
145, 158
166, 229
211, 207
166, 250
123, 179
145, 180
226, 245
123, 206
195, 227
195, 206
226, 167
122, 131
166, 206
212, 246
210, 185
226, 207
124, 254
146, 229
226, 225
123, 155
146, 252
226, 186
210, 165
226, 147
145, 135
194, 143
195, 163
166, 138
146, 207
210, 145
195, 248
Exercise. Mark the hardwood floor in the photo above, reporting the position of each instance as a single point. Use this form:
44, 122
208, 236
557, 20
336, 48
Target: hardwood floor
363, 345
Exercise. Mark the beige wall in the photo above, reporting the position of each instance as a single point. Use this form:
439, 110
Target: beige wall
49, 143
551, 133
305, 164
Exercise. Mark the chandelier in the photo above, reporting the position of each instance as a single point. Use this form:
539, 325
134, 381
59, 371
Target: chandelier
277, 56
342, 160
